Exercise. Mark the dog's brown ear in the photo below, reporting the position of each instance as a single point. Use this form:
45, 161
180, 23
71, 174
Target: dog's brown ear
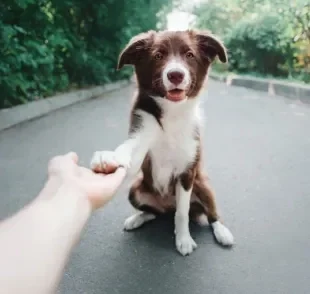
211, 46
135, 49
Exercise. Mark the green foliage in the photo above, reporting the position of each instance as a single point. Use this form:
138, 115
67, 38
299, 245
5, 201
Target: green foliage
213, 16
261, 44
51, 45
262, 36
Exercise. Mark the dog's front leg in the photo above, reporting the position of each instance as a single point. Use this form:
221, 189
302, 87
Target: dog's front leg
131, 153
184, 242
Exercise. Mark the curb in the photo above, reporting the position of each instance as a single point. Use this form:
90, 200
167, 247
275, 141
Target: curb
293, 91
12, 116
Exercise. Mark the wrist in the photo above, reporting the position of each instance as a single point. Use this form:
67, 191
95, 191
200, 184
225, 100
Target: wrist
51, 186
70, 196
66, 192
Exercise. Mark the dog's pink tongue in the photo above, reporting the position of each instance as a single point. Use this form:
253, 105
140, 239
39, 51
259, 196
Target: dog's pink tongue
176, 95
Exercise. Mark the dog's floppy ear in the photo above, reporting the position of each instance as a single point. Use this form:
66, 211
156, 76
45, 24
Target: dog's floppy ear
211, 46
135, 49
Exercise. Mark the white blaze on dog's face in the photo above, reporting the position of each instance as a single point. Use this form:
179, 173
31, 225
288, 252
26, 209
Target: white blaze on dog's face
172, 65
176, 79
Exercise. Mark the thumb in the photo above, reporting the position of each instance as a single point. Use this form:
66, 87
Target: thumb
111, 182
107, 187
73, 156
117, 177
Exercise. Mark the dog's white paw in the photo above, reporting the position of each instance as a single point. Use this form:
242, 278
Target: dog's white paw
109, 161
185, 243
222, 234
137, 220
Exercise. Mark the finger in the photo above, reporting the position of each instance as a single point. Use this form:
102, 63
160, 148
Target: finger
85, 172
109, 183
106, 186
110, 168
105, 168
73, 156
119, 173
116, 178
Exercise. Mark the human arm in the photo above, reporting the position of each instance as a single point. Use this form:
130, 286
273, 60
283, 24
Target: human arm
36, 242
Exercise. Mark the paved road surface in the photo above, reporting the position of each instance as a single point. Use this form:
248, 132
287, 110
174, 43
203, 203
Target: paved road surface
258, 159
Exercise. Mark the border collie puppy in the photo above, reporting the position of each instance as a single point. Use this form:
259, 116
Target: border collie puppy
163, 148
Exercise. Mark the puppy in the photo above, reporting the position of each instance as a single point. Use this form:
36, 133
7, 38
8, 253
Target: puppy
164, 146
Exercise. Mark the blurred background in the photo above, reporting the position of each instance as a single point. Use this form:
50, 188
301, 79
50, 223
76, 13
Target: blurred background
50, 46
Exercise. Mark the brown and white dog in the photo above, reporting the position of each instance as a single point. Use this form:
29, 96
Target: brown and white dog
164, 135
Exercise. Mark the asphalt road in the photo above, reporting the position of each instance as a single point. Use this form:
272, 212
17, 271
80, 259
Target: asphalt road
257, 155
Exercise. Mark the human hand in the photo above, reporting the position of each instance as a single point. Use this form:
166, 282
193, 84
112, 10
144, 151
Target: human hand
98, 188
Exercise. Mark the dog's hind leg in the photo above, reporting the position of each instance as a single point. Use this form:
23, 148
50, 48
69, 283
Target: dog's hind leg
206, 196
137, 220
197, 213
145, 203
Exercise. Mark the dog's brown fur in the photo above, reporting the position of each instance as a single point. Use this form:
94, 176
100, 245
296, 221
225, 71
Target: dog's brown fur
148, 52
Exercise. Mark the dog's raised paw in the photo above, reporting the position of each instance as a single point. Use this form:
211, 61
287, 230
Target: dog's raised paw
137, 220
222, 234
108, 161
185, 244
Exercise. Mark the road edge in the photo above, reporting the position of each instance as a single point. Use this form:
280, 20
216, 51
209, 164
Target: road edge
289, 90
13, 116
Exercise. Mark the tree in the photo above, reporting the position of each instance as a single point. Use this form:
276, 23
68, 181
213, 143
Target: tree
263, 36
51, 45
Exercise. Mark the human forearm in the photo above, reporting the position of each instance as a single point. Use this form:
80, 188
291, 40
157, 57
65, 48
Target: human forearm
39, 238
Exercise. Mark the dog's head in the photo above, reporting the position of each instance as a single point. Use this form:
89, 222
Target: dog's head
172, 65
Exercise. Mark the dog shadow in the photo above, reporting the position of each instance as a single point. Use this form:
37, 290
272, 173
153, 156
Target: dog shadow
159, 233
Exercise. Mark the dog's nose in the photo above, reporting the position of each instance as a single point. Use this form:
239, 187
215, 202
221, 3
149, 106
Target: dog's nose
175, 76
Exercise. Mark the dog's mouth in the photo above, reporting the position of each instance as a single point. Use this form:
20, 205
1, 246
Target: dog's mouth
176, 95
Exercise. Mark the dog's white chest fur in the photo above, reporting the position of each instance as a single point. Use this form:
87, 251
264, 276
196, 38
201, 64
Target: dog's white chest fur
175, 146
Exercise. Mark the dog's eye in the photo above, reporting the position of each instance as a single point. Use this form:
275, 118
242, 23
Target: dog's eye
158, 56
189, 55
